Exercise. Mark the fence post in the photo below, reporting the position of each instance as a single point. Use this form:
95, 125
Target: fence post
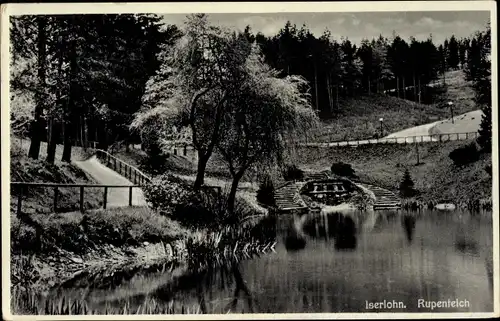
105, 198
130, 196
458, 137
466, 135
56, 194
81, 199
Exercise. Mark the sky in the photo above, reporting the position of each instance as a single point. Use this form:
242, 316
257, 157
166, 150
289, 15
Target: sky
357, 25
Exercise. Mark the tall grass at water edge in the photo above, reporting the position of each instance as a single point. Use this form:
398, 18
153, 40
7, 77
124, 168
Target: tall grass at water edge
29, 302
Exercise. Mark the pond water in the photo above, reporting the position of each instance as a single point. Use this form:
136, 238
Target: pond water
339, 264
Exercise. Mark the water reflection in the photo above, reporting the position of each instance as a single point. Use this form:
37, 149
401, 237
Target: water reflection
409, 226
337, 262
340, 227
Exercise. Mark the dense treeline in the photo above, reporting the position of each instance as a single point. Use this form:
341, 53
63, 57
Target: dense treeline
478, 70
341, 69
81, 78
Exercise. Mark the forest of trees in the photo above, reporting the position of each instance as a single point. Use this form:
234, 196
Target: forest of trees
82, 78
478, 70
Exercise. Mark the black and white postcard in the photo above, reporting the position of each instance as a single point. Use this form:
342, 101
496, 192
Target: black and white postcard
250, 160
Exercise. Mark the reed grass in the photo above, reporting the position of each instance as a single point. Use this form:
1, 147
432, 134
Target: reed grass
28, 302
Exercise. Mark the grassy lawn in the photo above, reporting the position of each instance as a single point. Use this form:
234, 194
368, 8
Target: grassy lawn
436, 177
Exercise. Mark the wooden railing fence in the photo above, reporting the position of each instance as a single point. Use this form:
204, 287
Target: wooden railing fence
132, 173
23, 186
397, 140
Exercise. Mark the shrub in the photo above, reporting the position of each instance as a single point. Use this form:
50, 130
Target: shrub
155, 160
166, 191
293, 173
465, 155
175, 198
406, 187
343, 169
265, 194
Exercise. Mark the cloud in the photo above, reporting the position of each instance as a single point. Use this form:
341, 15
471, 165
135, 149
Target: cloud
426, 22
359, 25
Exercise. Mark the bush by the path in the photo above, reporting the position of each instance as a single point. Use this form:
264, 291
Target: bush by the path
265, 194
293, 173
175, 198
465, 155
343, 169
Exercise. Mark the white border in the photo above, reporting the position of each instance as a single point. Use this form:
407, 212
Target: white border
235, 7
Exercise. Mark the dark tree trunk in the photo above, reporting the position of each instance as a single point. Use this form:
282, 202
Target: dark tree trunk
66, 156
52, 141
53, 123
337, 98
419, 92
70, 108
404, 89
83, 132
200, 174
414, 88
37, 128
329, 92
232, 193
397, 85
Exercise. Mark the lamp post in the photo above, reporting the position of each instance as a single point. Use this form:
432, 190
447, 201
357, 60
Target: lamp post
381, 127
450, 103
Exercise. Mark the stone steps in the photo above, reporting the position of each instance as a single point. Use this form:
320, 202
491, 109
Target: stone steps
384, 199
287, 198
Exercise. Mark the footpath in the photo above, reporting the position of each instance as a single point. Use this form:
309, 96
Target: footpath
117, 197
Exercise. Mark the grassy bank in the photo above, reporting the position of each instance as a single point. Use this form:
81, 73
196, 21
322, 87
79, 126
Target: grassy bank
359, 117
40, 200
435, 177
58, 245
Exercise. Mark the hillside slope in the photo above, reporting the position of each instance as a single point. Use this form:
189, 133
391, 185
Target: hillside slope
359, 117
436, 177
40, 200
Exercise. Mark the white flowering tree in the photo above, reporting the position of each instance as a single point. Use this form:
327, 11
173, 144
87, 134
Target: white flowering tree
193, 84
264, 116
216, 82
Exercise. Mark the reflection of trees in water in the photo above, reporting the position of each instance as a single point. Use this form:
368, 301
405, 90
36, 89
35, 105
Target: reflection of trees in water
489, 271
338, 226
409, 222
294, 242
225, 277
466, 246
